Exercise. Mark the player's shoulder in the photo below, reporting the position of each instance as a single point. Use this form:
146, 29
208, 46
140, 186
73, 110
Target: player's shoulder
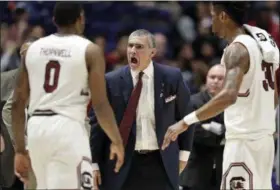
245, 39
81, 39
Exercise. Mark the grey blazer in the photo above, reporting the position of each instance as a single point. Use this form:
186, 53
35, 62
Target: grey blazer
7, 115
8, 81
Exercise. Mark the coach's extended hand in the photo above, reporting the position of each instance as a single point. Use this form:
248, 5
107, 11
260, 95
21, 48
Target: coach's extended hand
117, 150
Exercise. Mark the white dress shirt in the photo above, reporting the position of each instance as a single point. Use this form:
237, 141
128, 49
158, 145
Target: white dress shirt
145, 114
146, 138
145, 118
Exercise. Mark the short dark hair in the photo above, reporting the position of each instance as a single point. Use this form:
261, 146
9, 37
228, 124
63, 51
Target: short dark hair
235, 9
67, 13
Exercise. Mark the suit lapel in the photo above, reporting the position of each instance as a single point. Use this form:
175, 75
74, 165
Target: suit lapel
158, 98
127, 84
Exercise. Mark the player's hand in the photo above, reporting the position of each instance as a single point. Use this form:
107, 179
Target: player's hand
117, 150
96, 179
22, 166
173, 132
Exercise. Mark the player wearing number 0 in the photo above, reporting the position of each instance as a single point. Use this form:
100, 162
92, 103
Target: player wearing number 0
251, 59
55, 74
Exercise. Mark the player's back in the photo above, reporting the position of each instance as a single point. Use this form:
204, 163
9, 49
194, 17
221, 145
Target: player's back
253, 115
58, 75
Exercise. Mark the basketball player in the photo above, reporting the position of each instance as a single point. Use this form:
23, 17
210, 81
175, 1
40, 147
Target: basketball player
247, 98
55, 74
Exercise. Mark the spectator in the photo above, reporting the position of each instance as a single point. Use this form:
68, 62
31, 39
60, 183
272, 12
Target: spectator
200, 69
264, 19
207, 150
20, 22
37, 32
117, 58
161, 44
100, 40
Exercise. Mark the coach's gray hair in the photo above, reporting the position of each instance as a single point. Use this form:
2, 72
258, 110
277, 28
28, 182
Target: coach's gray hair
143, 32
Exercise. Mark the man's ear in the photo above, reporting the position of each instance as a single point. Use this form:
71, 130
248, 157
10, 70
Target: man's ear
154, 52
53, 20
224, 16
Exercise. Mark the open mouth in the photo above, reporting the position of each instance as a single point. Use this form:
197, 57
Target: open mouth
134, 60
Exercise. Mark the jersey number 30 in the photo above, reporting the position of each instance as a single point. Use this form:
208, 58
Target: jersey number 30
51, 76
268, 69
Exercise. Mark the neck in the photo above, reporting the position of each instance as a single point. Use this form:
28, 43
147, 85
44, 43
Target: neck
142, 69
233, 33
67, 31
147, 65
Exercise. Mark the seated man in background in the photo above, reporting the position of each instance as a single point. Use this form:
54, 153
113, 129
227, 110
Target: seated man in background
207, 150
7, 117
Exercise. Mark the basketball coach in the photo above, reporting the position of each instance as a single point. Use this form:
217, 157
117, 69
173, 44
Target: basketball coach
146, 98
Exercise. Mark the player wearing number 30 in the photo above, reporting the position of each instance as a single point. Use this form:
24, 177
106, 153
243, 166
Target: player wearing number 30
59, 74
248, 98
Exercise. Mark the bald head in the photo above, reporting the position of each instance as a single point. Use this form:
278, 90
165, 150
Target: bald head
217, 67
215, 79
143, 32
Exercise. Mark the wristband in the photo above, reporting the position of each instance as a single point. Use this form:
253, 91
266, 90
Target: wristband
191, 119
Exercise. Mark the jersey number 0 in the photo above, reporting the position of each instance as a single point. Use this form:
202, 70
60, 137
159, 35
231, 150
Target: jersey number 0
51, 76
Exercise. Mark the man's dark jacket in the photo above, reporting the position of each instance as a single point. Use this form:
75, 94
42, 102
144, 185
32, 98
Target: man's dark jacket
167, 82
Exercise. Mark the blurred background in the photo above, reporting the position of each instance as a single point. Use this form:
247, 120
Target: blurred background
182, 31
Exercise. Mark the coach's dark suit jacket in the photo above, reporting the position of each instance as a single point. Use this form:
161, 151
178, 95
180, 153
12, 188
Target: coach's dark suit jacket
167, 82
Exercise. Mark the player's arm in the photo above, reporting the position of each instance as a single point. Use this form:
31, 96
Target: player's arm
20, 100
100, 103
237, 64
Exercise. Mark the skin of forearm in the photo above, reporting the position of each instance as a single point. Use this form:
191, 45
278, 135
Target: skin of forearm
216, 105
18, 125
106, 119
